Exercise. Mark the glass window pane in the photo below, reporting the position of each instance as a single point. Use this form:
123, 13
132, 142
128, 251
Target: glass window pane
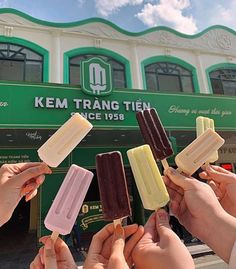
11, 70
173, 69
30, 55
151, 82
169, 83
15, 64
171, 77
215, 74
76, 60
187, 84
33, 71
150, 68
3, 54
18, 56
227, 74
229, 87
183, 72
3, 46
223, 81
74, 74
119, 79
217, 86
116, 65
14, 47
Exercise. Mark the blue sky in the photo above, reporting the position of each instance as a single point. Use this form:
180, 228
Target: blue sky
186, 16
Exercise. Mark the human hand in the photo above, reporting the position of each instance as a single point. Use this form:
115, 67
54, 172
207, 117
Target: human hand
53, 256
223, 183
195, 205
192, 201
160, 247
109, 250
17, 180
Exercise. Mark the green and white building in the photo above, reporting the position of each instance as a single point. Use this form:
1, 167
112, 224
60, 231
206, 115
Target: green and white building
50, 70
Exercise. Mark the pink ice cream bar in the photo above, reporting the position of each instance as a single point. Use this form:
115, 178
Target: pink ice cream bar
68, 201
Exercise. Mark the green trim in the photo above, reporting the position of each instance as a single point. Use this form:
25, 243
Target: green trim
174, 60
112, 25
33, 46
98, 51
215, 67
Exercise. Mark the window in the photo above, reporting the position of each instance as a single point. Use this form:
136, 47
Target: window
168, 77
18, 63
223, 81
117, 69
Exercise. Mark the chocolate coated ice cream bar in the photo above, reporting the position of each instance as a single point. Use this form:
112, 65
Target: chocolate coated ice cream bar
112, 186
154, 134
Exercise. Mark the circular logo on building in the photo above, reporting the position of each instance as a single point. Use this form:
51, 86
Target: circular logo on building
96, 77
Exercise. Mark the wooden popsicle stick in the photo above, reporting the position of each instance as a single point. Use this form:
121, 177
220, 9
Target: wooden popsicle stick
165, 164
54, 236
117, 221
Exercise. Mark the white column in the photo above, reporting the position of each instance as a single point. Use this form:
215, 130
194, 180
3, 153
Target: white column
201, 73
56, 62
135, 66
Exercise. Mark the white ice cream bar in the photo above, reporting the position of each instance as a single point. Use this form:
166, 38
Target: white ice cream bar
68, 201
202, 124
198, 152
64, 140
148, 179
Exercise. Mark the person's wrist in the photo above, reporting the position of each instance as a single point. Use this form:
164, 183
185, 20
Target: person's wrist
209, 224
220, 234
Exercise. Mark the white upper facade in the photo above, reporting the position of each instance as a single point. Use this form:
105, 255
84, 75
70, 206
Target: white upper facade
212, 47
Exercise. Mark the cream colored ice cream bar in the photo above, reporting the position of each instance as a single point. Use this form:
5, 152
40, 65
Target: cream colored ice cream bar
64, 140
202, 124
148, 179
198, 152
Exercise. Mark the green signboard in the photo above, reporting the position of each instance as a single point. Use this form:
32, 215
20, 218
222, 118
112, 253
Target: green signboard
49, 105
18, 156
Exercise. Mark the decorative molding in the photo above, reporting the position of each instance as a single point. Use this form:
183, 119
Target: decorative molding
97, 43
8, 31
215, 39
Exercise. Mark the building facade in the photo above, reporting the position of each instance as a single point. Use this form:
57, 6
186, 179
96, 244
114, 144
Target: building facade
42, 83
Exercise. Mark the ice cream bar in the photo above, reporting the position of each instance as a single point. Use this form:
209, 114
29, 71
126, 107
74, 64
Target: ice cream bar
154, 134
64, 140
202, 124
148, 179
198, 152
68, 201
112, 186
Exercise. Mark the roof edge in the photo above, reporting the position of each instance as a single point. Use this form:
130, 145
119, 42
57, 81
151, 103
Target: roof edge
112, 25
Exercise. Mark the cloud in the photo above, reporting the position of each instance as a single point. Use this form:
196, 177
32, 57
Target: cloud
170, 13
107, 7
81, 2
225, 15
4, 3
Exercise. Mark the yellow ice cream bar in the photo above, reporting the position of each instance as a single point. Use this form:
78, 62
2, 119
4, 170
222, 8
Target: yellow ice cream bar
148, 179
64, 140
202, 124
198, 152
